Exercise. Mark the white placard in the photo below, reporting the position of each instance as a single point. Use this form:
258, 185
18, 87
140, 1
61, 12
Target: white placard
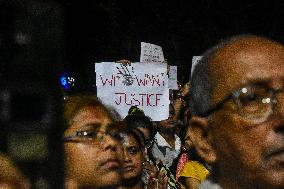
173, 78
142, 84
195, 60
151, 53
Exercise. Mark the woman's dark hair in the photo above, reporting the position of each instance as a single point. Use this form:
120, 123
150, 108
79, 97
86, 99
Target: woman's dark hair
74, 103
140, 121
137, 135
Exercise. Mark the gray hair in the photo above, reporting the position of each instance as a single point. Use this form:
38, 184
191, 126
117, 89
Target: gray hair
201, 84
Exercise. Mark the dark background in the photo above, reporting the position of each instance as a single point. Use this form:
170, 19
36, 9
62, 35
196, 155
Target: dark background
40, 39
71, 35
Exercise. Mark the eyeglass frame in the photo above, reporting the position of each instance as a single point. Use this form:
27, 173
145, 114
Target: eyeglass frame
74, 135
235, 94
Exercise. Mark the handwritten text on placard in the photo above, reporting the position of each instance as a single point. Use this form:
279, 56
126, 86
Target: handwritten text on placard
143, 85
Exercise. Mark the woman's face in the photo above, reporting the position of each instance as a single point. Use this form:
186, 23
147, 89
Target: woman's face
133, 158
169, 123
92, 160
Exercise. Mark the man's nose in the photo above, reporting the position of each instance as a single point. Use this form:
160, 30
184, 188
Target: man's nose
279, 106
279, 113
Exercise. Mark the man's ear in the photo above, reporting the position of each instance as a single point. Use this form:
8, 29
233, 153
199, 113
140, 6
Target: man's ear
187, 141
199, 133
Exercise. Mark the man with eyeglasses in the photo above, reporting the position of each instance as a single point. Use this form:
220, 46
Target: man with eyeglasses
237, 113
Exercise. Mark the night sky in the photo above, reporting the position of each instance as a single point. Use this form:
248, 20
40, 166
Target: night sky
73, 35
110, 30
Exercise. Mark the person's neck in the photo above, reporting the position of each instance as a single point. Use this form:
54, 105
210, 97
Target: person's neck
132, 185
233, 184
229, 185
110, 187
227, 182
106, 187
72, 183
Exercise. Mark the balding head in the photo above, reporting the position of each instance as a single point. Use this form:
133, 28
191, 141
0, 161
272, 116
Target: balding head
242, 60
219, 64
238, 112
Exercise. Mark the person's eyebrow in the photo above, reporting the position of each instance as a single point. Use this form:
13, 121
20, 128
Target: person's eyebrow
91, 126
253, 82
262, 81
258, 82
98, 125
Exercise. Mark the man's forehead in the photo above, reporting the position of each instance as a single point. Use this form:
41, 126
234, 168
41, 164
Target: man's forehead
242, 61
246, 51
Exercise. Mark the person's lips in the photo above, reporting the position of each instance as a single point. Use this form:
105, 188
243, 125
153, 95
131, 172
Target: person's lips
171, 123
128, 168
276, 154
111, 163
279, 153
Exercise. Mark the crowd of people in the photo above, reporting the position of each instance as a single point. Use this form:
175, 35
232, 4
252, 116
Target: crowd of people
225, 129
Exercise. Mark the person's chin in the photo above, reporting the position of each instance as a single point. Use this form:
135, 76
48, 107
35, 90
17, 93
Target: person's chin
129, 175
272, 178
169, 126
114, 174
111, 178
276, 179
274, 167
131, 179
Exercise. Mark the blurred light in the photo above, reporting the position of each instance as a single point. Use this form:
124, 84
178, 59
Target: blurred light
71, 81
266, 100
244, 90
66, 81
22, 38
63, 81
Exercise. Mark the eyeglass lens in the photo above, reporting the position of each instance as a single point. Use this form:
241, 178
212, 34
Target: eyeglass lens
255, 102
